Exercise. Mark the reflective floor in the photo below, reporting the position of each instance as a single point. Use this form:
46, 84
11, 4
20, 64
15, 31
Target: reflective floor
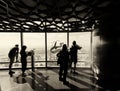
47, 80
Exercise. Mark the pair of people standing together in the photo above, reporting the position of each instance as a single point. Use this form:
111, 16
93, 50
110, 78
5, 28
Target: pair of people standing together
13, 53
64, 58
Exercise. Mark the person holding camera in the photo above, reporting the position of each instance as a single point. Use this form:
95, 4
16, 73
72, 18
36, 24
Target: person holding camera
73, 55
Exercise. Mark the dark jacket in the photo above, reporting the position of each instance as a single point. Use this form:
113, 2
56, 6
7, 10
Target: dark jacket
63, 57
13, 52
23, 55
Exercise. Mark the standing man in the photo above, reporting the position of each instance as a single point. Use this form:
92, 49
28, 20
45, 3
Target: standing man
23, 54
13, 53
73, 54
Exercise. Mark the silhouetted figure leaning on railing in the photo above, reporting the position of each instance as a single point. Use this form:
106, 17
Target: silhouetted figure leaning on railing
13, 53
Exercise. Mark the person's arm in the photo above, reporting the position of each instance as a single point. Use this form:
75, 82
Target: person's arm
78, 47
58, 54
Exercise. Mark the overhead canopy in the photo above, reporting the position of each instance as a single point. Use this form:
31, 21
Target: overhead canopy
51, 15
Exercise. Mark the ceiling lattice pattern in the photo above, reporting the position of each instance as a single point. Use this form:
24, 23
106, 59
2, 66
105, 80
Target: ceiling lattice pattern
50, 15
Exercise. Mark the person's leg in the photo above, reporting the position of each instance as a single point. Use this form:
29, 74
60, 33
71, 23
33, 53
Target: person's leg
71, 66
10, 64
65, 76
75, 62
61, 73
74, 67
23, 66
17, 58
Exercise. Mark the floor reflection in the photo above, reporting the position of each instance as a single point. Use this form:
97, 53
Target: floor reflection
47, 80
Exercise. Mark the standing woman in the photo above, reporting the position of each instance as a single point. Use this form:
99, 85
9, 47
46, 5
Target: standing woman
23, 54
63, 61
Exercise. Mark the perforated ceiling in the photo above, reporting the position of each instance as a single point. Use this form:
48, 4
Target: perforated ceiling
50, 15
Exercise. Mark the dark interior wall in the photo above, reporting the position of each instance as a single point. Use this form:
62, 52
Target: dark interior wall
109, 55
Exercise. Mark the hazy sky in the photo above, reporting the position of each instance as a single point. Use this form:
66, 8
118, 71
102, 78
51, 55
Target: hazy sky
8, 40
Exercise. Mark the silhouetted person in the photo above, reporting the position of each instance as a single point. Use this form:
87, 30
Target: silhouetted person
13, 53
64, 59
73, 55
23, 54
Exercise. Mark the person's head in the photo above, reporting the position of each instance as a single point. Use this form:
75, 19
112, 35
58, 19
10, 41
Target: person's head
74, 42
64, 47
24, 47
16, 45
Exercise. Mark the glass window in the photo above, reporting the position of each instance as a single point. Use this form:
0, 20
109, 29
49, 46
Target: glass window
36, 42
7, 41
83, 40
54, 44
